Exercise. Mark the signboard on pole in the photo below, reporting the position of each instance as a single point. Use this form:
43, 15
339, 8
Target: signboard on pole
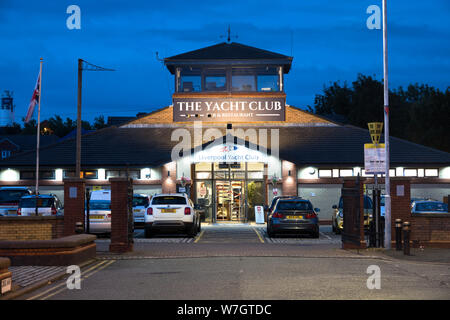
374, 158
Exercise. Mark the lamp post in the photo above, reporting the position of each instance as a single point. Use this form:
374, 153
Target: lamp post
387, 228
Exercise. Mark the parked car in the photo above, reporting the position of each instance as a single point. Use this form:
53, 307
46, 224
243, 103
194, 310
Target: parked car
10, 198
141, 202
293, 215
100, 211
338, 215
268, 209
172, 212
48, 205
429, 207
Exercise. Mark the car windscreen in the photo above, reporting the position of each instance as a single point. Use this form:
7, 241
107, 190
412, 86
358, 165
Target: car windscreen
31, 203
432, 206
293, 205
99, 205
12, 196
140, 202
168, 200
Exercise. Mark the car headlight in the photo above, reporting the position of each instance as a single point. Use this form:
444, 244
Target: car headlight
341, 214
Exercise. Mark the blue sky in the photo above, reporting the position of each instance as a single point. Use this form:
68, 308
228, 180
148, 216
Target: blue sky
328, 39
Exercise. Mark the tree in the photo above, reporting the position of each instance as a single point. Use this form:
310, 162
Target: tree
99, 123
419, 114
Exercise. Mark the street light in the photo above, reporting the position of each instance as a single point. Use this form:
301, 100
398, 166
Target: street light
82, 65
387, 226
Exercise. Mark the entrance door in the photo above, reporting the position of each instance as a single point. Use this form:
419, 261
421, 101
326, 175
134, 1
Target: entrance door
230, 197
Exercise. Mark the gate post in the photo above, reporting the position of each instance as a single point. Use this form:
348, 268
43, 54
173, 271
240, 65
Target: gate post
73, 205
353, 211
121, 215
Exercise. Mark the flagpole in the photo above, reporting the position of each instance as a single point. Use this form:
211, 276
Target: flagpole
38, 134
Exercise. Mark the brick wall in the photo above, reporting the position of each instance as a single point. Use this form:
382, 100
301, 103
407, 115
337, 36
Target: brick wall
169, 183
293, 115
289, 182
31, 228
120, 216
425, 230
74, 196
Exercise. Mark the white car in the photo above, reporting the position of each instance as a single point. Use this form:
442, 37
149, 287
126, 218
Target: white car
100, 211
172, 212
141, 203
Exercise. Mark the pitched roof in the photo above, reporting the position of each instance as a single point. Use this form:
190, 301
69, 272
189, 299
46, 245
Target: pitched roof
28, 141
229, 52
152, 147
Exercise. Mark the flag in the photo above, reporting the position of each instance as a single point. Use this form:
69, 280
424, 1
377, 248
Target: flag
34, 99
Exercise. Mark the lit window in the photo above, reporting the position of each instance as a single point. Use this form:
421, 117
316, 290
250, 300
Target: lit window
325, 173
410, 172
346, 173
431, 172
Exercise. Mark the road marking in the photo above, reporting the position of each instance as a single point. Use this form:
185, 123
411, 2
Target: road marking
82, 278
198, 238
259, 236
64, 283
328, 237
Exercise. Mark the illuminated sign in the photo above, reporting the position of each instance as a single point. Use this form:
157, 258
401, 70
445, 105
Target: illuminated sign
230, 153
229, 109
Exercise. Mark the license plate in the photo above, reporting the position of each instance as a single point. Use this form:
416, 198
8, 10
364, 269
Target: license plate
12, 212
96, 217
168, 210
295, 217
6, 285
137, 210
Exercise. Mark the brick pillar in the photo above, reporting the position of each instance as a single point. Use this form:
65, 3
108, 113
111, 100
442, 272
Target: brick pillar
169, 177
74, 197
289, 182
353, 234
401, 205
121, 215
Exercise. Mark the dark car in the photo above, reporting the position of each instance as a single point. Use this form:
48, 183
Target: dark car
10, 198
293, 215
269, 209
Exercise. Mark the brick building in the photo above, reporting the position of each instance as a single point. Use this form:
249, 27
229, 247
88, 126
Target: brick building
231, 133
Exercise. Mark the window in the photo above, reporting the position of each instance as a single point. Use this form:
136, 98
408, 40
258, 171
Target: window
6, 154
431, 172
190, 80
243, 79
134, 174
168, 200
293, 205
410, 172
215, 80
31, 175
346, 172
325, 173
268, 80
88, 174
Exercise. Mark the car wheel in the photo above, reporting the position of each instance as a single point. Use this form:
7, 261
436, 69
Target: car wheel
338, 231
199, 226
315, 235
192, 231
148, 233
270, 232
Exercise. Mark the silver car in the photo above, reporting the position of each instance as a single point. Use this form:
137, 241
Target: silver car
47, 205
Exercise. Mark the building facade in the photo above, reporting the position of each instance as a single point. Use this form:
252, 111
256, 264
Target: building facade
231, 141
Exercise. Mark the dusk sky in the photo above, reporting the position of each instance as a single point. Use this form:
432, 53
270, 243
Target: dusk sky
328, 39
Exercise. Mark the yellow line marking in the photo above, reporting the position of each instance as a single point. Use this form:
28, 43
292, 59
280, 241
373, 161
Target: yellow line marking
198, 238
259, 236
63, 283
83, 278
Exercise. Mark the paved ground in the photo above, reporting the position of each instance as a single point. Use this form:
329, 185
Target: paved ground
241, 262
23, 276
